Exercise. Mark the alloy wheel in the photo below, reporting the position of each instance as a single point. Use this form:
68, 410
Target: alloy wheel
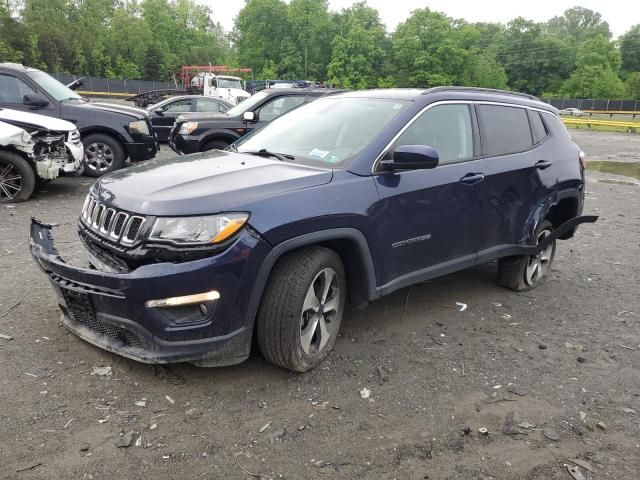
99, 157
539, 264
319, 310
10, 182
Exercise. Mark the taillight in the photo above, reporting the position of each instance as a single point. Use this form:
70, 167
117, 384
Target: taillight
583, 159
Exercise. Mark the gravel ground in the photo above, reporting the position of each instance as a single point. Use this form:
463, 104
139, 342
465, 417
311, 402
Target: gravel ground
563, 357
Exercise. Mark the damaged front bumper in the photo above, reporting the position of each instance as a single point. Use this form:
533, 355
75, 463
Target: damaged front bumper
121, 312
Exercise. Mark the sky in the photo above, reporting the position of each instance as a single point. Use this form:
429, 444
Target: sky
621, 14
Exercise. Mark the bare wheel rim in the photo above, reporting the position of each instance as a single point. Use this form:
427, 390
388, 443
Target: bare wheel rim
10, 181
320, 311
98, 157
539, 264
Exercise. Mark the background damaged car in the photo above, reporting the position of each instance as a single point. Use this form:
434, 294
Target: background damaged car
33, 149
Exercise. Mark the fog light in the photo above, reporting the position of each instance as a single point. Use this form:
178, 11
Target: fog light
186, 300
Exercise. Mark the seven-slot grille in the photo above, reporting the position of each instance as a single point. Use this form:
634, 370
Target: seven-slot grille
115, 225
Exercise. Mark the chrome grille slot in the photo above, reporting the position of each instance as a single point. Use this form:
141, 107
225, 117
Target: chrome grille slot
118, 224
110, 223
132, 230
106, 220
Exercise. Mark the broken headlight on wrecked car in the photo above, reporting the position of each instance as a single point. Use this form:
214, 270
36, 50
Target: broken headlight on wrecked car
197, 231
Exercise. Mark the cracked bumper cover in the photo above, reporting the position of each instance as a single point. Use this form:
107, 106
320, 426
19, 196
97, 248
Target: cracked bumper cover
109, 311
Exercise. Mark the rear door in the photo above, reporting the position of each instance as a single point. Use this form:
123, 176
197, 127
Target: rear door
512, 162
430, 220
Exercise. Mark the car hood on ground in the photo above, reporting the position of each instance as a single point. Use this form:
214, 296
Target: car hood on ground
204, 183
26, 120
133, 112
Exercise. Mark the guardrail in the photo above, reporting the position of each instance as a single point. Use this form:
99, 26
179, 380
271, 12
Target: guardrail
629, 126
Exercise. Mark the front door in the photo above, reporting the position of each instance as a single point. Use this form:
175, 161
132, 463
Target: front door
430, 219
164, 119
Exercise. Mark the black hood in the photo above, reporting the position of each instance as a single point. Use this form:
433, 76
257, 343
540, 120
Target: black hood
204, 183
82, 105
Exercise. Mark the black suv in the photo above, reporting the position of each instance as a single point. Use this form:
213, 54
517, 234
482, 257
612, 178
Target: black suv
200, 132
110, 133
380, 189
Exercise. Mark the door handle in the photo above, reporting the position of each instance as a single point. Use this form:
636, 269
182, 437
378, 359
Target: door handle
542, 164
471, 178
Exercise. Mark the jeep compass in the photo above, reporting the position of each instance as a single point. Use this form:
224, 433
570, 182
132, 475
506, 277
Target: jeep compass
192, 257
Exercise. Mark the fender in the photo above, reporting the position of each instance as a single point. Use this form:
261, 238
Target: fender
555, 234
216, 134
84, 131
305, 240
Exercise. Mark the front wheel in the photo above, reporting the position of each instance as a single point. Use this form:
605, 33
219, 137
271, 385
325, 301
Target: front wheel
17, 178
527, 272
102, 154
302, 308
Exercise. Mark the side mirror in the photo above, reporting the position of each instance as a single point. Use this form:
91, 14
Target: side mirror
35, 101
159, 111
412, 157
249, 117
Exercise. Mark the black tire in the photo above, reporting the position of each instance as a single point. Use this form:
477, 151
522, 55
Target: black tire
515, 272
215, 145
282, 318
102, 154
17, 178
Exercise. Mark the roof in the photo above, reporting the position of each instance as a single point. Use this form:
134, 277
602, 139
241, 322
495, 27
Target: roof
427, 95
301, 90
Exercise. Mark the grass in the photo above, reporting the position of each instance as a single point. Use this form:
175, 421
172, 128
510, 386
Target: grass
603, 128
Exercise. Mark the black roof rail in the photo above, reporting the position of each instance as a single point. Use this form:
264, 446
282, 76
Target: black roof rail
478, 89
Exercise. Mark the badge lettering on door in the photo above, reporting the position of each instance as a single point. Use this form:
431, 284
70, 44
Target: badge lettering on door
409, 241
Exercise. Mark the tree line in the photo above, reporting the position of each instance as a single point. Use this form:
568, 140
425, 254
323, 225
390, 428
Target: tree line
572, 55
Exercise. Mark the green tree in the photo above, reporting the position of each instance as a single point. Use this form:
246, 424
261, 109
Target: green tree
534, 62
311, 25
630, 49
598, 50
428, 50
483, 71
578, 24
259, 32
593, 81
632, 85
359, 53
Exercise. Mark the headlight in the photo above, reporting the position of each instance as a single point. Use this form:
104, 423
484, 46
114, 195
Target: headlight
197, 230
187, 127
139, 126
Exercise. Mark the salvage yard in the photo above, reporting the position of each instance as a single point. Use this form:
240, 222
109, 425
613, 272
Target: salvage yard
548, 375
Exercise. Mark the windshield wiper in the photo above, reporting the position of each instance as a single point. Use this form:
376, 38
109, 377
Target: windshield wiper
263, 152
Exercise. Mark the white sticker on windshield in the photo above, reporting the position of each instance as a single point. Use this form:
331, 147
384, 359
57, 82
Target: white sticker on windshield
317, 153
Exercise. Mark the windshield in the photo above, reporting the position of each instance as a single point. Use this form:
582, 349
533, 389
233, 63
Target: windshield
52, 86
229, 83
247, 104
328, 132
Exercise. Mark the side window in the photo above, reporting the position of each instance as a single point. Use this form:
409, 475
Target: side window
13, 89
504, 130
279, 105
180, 106
209, 105
537, 127
447, 128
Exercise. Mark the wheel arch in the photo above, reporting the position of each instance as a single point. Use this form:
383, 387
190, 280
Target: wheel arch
217, 135
103, 131
565, 209
352, 247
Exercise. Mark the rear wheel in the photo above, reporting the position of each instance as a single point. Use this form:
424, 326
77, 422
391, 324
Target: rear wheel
17, 178
215, 145
102, 154
527, 272
302, 309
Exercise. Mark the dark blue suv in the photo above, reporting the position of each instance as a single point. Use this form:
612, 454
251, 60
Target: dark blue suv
344, 199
